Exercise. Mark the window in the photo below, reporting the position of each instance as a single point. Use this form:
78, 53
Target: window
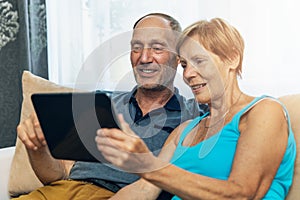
76, 28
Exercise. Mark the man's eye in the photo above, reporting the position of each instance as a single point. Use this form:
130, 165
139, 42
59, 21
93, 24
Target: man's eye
158, 48
137, 48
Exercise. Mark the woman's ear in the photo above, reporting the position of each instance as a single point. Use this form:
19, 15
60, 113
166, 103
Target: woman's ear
234, 63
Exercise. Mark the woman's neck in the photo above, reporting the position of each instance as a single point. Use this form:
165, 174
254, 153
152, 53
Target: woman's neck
223, 104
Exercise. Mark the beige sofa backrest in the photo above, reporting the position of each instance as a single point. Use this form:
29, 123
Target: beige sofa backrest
292, 103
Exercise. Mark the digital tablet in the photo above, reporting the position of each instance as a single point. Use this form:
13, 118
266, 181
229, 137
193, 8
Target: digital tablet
69, 122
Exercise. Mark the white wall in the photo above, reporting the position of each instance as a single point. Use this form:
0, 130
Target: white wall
270, 29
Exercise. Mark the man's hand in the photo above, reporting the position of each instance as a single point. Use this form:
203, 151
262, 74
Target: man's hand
31, 134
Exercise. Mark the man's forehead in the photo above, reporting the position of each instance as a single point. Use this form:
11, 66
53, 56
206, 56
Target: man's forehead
145, 35
153, 21
152, 32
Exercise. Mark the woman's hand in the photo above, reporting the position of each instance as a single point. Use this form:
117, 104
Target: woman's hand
124, 149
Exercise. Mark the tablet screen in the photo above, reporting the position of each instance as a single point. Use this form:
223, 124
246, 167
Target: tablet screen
70, 120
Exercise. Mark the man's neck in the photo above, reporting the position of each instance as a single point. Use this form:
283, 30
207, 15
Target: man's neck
149, 100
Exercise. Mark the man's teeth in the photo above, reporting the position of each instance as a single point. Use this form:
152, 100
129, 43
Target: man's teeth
148, 70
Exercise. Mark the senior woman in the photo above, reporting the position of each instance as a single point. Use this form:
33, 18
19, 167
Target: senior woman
243, 148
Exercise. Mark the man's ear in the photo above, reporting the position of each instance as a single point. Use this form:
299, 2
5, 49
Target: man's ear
178, 59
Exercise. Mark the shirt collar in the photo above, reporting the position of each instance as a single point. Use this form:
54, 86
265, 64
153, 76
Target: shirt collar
172, 104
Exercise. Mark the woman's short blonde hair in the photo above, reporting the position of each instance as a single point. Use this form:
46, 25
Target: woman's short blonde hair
218, 37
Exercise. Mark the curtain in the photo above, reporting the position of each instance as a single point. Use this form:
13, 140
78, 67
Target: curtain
23, 46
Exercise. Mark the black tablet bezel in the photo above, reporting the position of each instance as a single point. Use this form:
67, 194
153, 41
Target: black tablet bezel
69, 122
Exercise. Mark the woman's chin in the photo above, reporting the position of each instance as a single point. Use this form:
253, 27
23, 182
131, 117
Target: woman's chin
203, 99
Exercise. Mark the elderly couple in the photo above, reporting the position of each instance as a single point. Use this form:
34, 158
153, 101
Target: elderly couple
219, 147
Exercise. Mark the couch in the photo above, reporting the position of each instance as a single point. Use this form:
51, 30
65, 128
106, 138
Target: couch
6, 155
17, 177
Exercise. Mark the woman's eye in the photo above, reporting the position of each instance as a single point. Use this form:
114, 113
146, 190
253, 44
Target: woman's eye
183, 64
198, 61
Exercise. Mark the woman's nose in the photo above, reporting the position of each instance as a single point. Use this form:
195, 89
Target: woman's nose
189, 71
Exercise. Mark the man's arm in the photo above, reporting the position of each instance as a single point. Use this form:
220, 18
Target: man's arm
44, 165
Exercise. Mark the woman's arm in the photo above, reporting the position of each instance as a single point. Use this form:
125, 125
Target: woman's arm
254, 167
259, 153
124, 148
143, 189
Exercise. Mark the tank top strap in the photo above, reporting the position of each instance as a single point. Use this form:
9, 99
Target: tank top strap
190, 126
255, 101
252, 103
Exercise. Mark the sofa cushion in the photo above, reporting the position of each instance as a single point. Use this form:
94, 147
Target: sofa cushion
6, 155
22, 178
292, 103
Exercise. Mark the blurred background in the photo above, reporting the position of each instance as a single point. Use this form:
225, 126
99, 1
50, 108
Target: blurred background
56, 39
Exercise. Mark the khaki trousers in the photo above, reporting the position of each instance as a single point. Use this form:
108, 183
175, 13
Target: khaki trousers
68, 190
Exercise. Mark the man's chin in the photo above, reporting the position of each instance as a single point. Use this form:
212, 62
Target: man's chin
152, 87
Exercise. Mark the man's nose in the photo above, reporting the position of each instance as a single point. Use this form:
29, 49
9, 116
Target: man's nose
147, 55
